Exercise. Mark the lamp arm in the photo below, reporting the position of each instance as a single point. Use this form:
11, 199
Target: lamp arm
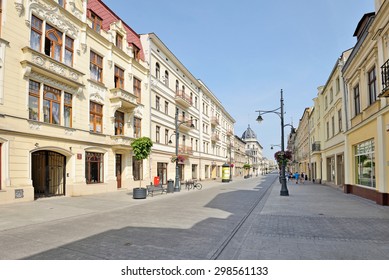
272, 111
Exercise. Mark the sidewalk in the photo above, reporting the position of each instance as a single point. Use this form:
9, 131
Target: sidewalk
315, 222
309, 199
43, 210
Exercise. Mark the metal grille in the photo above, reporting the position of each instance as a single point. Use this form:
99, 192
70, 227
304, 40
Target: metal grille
48, 173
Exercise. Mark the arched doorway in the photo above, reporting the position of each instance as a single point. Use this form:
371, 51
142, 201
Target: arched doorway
48, 173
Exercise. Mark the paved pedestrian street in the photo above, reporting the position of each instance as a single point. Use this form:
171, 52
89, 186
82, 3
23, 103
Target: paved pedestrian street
245, 219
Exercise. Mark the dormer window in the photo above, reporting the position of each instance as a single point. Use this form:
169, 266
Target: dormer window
97, 22
136, 52
119, 41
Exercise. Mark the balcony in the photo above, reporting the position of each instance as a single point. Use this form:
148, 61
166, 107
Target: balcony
215, 137
37, 64
214, 121
124, 100
316, 147
120, 142
385, 79
185, 123
185, 150
183, 99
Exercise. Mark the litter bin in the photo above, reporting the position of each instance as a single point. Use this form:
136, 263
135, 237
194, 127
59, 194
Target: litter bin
156, 181
170, 186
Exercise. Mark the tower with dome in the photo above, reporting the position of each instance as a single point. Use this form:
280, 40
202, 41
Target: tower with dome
253, 151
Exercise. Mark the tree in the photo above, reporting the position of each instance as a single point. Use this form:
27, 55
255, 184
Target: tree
142, 149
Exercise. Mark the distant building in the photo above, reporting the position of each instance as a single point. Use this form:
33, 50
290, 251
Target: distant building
253, 151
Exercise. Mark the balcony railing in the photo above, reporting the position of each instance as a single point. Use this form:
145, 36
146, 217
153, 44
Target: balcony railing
183, 98
214, 121
186, 150
385, 79
316, 147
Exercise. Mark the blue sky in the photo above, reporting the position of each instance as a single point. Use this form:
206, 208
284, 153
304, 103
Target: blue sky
247, 51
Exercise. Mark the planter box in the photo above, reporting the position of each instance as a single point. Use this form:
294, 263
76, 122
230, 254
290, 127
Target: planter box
139, 193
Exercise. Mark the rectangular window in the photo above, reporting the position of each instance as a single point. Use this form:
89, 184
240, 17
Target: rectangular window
119, 77
166, 107
137, 90
337, 85
119, 123
357, 102
157, 134
119, 41
51, 105
328, 130
33, 101
61, 3
333, 125
364, 160
137, 167
166, 136
331, 96
69, 50
36, 33
68, 110
340, 120
96, 67
137, 127
95, 117
157, 102
94, 168
372, 87
97, 22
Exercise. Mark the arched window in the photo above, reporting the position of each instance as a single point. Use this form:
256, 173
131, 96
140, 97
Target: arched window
177, 86
53, 43
157, 71
166, 78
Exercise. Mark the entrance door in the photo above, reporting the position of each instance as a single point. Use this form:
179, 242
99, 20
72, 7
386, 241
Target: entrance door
119, 170
48, 173
340, 170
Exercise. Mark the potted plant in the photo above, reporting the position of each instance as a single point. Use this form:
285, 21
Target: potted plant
141, 148
247, 167
283, 157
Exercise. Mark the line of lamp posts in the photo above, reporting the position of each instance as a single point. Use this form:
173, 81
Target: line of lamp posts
278, 111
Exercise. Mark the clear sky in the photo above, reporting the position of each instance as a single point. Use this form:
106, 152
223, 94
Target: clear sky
247, 51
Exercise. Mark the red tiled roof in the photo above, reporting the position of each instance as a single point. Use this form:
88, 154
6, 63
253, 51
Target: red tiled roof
108, 17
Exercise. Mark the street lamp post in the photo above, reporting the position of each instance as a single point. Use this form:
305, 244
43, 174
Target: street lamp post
177, 125
280, 112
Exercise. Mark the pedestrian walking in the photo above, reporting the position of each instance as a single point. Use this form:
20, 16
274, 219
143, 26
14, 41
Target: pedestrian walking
296, 177
302, 178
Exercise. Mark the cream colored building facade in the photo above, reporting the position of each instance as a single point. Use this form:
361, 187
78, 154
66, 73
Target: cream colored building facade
70, 101
349, 129
301, 143
366, 75
205, 129
327, 128
80, 87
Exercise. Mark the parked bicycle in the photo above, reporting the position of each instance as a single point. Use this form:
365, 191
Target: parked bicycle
189, 184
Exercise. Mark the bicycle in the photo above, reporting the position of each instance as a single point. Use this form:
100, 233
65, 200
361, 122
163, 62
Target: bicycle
192, 184
197, 186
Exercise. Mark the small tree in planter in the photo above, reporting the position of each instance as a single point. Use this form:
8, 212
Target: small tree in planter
142, 149
247, 167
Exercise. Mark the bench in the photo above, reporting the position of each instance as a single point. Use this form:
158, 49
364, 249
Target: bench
154, 188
